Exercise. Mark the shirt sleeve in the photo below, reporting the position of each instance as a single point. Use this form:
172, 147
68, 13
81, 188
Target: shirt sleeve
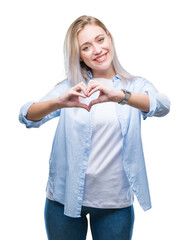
159, 103
56, 92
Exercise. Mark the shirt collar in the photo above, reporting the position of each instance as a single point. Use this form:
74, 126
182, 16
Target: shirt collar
89, 73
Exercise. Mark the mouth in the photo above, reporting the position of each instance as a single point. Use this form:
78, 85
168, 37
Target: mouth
101, 58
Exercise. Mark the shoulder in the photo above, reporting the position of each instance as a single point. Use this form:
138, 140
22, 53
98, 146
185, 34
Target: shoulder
63, 85
58, 89
136, 82
139, 84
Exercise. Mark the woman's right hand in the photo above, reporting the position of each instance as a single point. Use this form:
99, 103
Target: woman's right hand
70, 98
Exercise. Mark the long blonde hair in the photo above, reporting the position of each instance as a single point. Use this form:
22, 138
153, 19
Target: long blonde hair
76, 70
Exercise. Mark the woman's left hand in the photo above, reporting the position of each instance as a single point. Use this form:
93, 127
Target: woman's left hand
107, 93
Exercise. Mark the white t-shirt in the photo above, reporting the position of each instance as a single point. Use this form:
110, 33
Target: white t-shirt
106, 185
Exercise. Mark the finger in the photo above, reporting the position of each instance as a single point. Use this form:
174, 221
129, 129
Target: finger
100, 99
91, 86
81, 87
81, 84
95, 89
92, 81
93, 102
77, 94
82, 105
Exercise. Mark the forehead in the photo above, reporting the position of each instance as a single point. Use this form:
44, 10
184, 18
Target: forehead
89, 33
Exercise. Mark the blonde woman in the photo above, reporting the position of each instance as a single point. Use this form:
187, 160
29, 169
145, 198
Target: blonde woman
97, 163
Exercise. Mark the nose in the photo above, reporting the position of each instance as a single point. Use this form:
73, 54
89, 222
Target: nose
97, 49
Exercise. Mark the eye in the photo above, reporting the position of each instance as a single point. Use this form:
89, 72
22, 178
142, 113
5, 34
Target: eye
85, 48
101, 39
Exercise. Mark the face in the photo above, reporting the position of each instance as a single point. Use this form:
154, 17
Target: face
96, 49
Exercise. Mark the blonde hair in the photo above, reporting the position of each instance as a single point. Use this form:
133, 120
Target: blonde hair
76, 70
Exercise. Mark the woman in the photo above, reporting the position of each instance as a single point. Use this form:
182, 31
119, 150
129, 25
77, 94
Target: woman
97, 163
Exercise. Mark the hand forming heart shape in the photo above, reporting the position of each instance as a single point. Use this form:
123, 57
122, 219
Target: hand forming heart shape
71, 98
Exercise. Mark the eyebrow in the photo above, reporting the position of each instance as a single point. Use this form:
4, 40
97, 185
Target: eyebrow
95, 39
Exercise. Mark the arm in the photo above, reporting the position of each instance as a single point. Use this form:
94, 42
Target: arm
39, 110
144, 97
159, 104
107, 93
35, 114
70, 98
136, 100
25, 115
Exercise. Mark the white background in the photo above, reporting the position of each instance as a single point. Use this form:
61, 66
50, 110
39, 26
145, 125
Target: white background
152, 41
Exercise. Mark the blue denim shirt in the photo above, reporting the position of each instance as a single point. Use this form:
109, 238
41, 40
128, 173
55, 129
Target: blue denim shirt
71, 144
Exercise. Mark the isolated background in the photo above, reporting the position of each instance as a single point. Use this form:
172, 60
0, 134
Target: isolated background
152, 41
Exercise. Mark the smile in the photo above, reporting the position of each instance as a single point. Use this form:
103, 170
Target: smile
101, 58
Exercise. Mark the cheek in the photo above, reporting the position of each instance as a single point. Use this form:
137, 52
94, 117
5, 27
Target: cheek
110, 46
112, 50
81, 56
85, 57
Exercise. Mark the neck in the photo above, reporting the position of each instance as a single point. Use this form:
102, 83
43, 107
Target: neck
109, 74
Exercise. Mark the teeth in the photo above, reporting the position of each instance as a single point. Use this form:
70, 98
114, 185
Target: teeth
101, 58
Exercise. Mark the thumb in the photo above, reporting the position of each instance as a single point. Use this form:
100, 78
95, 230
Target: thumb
85, 106
93, 102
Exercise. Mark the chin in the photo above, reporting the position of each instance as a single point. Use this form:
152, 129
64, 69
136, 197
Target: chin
102, 66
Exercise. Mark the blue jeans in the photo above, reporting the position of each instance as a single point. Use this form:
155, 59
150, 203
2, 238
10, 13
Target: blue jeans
106, 224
